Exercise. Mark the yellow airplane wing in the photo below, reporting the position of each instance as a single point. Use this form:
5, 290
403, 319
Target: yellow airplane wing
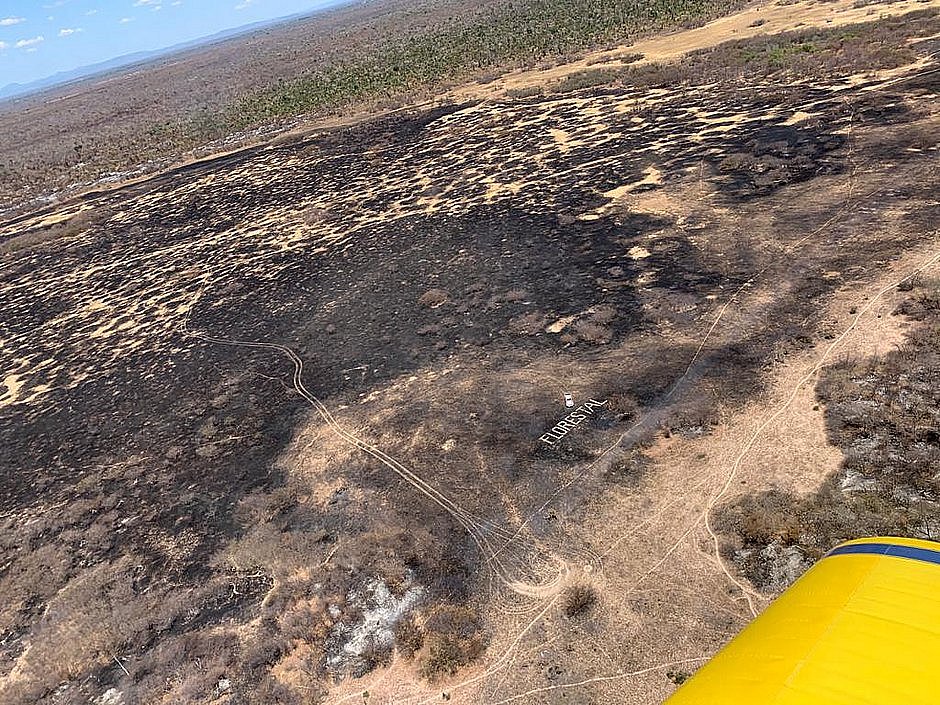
861, 627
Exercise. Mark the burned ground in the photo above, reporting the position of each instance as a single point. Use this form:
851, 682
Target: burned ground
175, 513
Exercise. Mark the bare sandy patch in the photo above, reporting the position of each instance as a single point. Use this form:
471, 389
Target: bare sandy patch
559, 325
13, 383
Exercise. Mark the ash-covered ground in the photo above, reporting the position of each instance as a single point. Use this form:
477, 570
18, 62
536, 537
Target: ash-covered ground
181, 524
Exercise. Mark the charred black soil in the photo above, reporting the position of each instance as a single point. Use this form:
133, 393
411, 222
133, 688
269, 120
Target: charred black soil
178, 518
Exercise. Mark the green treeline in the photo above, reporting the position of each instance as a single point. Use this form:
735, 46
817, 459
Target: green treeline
513, 33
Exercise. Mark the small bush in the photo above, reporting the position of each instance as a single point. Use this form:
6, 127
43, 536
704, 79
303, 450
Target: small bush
591, 332
452, 641
591, 78
433, 298
678, 677
409, 638
577, 599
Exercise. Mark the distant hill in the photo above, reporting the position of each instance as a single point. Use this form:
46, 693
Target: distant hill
12, 90
15, 90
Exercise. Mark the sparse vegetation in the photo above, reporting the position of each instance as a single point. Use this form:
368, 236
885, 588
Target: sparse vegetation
811, 54
409, 637
885, 414
453, 639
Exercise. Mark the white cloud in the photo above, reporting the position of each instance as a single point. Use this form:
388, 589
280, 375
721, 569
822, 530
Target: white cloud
91, 12
69, 31
125, 20
3, 45
23, 43
9, 21
140, 3
244, 4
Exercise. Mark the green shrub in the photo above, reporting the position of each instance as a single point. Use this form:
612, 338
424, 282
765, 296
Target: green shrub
513, 33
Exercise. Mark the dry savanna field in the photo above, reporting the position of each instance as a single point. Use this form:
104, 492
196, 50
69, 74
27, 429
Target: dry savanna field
287, 424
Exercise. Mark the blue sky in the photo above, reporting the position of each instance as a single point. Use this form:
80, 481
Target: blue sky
41, 37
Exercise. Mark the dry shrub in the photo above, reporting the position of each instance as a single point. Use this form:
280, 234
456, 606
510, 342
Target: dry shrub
432, 191
272, 692
433, 298
287, 139
86, 623
29, 240
409, 637
516, 295
268, 549
531, 323
489, 77
623, 404
375, 655
920, 306
594, 333
85, 219
453, 640
577, 599
185, 668
604, 315
525, 92
631, 58
590, 78
883, 413
315, 215
763, 519
627, 470
678, 677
